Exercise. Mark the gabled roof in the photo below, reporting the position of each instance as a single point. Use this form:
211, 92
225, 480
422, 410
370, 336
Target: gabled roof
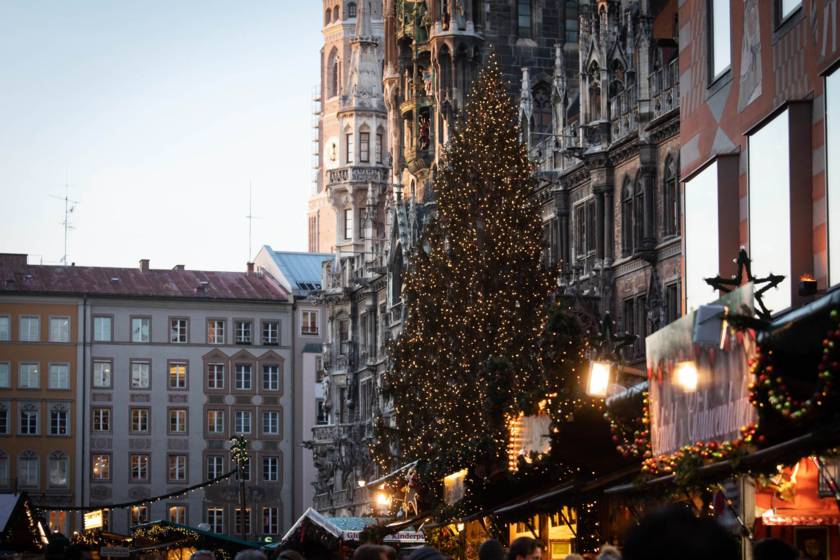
8, 503
301, 271
18, 277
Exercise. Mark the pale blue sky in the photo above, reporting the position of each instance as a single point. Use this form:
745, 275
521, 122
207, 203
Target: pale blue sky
159, 112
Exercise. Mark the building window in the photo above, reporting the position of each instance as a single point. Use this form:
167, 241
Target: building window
580, 231
102, 329
177, 468
309, 323
178, 331
243, 331
28, 420
215, 376
139, 468
102, 374
4, 470
832, 155
246, 519
523, 16
139, 515
720, 50
571, 21
177, 421
785, 8
243, 422
177, 375
243, 377
4, 419
627, 217
58, 470
322, 416
348, 144
327, 15
380, 148
216, 421
140, 329
29, 376
215, 331
271, 333
271, 377
769, 198
364, 147
701, 236
638, 215
5, 381
591, 227
59, 376
178, 514
59, 329
332, 68
271, 469
139, 420
215, 466
216, 519
59, 420
140, 375
671, 198
57, 522
29, 467
271, 422
672, 303
271, 521
30, 329
101, 420
5, 328
348, 223
101, 467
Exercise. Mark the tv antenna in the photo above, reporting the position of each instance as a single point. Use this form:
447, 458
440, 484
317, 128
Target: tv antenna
69, 207
251, 218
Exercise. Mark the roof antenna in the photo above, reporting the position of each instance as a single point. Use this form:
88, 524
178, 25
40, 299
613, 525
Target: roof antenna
250, 217
69, 207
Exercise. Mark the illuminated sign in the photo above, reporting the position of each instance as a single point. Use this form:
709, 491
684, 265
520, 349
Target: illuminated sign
93, 520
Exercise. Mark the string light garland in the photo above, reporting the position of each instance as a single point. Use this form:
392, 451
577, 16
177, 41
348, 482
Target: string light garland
632, 437
769, 389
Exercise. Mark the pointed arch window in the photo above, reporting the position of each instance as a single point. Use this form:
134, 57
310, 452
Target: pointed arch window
327, 16
333, 74
351, 10
594, 92
671, 197
542, 108
336, 15
638, 215
627, 217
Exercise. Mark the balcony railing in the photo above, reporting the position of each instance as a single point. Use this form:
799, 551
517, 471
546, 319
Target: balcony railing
624, 112
665, 88
357, 175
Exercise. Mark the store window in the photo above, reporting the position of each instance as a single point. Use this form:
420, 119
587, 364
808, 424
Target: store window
720, 37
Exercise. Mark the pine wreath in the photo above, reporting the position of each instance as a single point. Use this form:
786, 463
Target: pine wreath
769, 387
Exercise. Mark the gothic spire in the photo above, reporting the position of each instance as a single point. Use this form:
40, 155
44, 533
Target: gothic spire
363, 27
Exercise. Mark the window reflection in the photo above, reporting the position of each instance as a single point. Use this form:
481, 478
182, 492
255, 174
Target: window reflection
832, 154
769, 174
701, 236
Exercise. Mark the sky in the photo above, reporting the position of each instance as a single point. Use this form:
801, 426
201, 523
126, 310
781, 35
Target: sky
157, 114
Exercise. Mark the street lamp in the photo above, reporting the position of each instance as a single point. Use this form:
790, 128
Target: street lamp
599, 379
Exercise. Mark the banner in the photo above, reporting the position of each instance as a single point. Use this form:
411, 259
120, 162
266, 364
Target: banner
719, 405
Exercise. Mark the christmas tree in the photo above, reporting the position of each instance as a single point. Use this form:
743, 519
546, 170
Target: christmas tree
469, 354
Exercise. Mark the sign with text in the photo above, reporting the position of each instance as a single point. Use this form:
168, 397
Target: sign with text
93, 519
699, 392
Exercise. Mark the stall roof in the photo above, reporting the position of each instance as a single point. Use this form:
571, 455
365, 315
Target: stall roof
349, 528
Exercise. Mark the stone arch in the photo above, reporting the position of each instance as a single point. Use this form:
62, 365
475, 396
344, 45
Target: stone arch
333, 73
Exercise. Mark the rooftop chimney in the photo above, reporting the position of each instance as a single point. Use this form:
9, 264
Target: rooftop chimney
250, 268
178, 267
144, 265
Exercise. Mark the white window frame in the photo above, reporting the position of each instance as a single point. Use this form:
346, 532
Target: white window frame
6, 416
142, 334
271, 338
177, 466
31, 460
31, 379
103, 378
271, 520
243, 419
62, 410
216, 331
720, 37
271, 468
271, 377
304, 323
98, 334
26, 332
215, 375
179, 330
240, 331
103, 460
59, 330
215, 466
57, 380
180, 380
216, 519
5, 328
215, 421
240, 377
177, 421
271, 420
140, 375
136, 416
5, 375
25, 427
55, 460
700, 255
101, 419
138, 464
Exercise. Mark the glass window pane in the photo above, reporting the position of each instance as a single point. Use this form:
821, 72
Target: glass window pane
769, 179
5, 328
721, 36
832, 155
789, 6
701, 236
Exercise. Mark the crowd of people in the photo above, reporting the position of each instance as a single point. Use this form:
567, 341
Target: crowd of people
669, 534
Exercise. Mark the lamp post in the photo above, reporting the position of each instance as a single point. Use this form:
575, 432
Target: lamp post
239, 454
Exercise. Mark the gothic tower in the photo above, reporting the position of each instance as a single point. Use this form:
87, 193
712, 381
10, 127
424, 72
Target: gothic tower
351, 140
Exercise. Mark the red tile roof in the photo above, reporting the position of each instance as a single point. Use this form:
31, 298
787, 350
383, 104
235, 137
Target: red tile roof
18, 277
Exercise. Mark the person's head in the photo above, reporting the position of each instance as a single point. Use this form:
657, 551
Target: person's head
525, 548
676, 533
774, 549
290, 554
250, 554
371, 552
491, 549
426, 553
202, 555
609, 552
